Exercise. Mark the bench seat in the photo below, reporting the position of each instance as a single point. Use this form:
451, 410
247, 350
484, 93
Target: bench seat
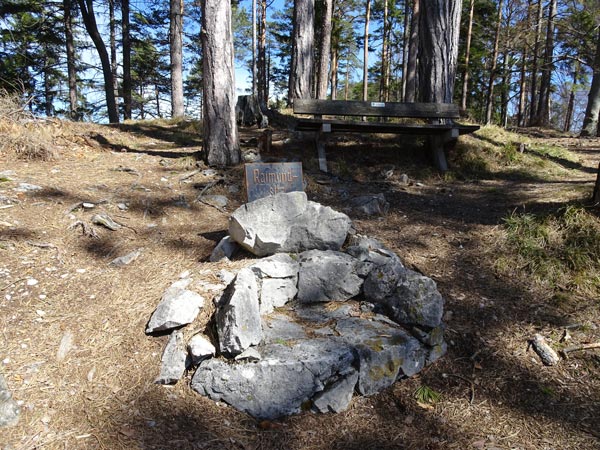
433, 120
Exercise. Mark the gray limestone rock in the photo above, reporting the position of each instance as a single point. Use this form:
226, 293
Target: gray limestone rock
280, 384
436, 353
225, 249
382, 280
416, 301
250, 354
327, 276
178, 307
276, 292
385, 352
200, 348
337, 396
173, 361
238, 314
287, 222
219, 201
370, 205
9, 411
279, 275
127, 259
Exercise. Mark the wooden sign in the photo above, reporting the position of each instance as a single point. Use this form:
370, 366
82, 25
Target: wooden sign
264, 179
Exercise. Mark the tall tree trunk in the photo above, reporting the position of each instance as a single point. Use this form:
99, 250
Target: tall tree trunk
405, 47
48, 109
220, 136
489, 104
87, 13
533, 103
385, 55
571, 104
302, 50
592, 111
438, 49
254, 66
334, 73
365, 93
413, 53
325, 50
465, 74
112, 26
176, 52
263, 83
127, 101
347, 80
504, 93
543, 110
71, 70
521, 114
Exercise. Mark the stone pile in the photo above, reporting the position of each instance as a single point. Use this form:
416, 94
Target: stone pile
325, 313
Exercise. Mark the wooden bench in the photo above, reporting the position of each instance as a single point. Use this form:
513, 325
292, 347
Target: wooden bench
437, 122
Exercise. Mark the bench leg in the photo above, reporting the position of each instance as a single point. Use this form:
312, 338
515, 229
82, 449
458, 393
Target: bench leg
436, 149
320, 144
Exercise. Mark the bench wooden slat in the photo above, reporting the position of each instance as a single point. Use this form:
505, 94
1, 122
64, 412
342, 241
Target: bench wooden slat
376, 109
382, 127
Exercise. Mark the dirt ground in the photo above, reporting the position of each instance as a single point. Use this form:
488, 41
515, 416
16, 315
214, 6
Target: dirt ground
72, 342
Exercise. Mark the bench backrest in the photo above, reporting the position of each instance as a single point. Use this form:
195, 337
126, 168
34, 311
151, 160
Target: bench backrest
376, 109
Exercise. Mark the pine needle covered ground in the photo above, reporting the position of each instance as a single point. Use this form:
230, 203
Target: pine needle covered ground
507, 235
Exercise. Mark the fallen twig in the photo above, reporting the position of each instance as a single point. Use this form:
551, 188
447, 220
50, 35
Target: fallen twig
46, 245
12, 283
576, 348
87, 230
189, 175
471, 384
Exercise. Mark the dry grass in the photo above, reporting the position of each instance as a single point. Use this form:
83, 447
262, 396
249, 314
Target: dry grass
493, 393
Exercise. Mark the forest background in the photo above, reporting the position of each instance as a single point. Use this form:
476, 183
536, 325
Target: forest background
521, 62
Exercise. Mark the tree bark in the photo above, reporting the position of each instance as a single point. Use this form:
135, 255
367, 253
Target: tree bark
365, 93
302, 50
438, 49
465, 77
405, 47
489, 104
176, 53
571, 104
413, 53
534, 69
113, 48
384, 83
221, 144
87, 13
334, 73
71, 70
263, 79
254, 66
325, 50
126, 59
543, 110
592, 110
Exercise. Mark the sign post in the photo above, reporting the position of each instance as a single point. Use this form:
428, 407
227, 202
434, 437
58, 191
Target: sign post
264, 179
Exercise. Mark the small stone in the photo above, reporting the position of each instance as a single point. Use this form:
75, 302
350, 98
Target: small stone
122, 206
178, 306
403, 179
250, 354
32, 282
126, 259
106, 221
200, 349
173, 361
87, 205
26, 187
9, 410
225, 249
220, 201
